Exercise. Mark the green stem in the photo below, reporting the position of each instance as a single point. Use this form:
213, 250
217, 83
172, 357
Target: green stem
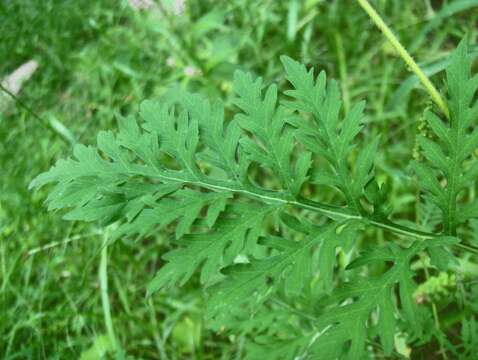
279, 198
103, 278
387, 32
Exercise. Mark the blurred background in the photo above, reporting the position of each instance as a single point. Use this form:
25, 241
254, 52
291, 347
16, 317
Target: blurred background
68, 67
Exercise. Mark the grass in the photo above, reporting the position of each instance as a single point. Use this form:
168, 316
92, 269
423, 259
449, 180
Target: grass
100, 59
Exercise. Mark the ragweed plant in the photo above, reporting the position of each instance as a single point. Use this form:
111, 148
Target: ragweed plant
240, 193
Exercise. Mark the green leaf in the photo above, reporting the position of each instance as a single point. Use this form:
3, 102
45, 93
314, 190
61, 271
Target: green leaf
328, 136
347, 323
252, 282
232, 191
386, 322
455, 143
211, 251
327, 260
440, 256
99, 349
273, 142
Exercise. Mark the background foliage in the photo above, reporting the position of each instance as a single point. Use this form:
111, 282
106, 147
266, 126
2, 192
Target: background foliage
98, 59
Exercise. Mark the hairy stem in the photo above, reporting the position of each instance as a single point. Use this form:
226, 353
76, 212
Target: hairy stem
387, 32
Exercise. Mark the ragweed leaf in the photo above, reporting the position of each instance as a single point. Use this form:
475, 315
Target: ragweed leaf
254, 281
231, 189
450, 156
329, 136
212, 250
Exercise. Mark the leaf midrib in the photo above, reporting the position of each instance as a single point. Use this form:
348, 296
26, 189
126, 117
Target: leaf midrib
278, 198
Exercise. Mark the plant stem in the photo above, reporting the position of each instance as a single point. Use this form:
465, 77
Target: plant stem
387, 32
103, 278
275, 197
278, 198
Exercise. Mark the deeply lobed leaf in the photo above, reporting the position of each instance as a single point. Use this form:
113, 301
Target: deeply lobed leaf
450, 157
182, 165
